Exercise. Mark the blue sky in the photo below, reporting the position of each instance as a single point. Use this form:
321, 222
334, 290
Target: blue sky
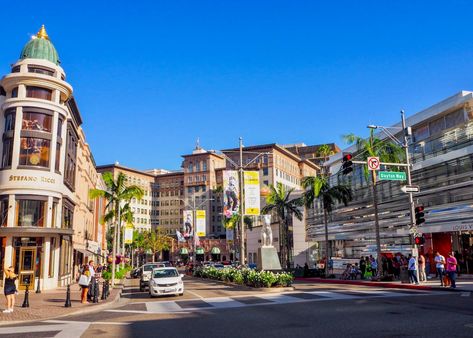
152, 76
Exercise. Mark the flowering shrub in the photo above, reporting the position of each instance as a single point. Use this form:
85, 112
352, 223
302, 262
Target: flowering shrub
246, 276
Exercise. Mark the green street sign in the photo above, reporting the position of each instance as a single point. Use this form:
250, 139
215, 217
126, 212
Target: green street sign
392, 175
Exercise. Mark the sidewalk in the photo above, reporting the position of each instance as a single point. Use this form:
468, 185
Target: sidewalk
50, 304
430, 285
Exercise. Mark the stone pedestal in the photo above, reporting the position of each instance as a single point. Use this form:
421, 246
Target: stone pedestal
268, 259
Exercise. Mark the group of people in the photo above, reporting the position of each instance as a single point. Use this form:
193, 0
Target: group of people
87, 275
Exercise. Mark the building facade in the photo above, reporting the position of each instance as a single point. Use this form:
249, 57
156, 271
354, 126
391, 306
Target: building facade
44, 159
441, 149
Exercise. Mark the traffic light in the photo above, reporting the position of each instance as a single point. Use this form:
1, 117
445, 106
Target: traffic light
419, 214
347, 164
419, 240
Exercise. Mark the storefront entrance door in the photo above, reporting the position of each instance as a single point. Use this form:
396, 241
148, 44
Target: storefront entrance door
26, 268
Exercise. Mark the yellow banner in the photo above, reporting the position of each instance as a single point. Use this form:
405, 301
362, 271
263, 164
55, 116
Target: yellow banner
252, 193
129, 234
200, 223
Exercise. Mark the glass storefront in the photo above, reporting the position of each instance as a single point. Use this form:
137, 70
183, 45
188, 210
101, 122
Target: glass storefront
27, 259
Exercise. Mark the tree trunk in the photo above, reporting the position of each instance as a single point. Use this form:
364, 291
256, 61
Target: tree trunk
282, 243
327, 250
288, 247
376, 223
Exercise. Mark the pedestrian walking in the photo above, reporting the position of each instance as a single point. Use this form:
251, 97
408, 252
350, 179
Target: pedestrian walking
440, 266
452, 269
374, 266
362, 267
9, 289
411, 270
422, 276
84, 281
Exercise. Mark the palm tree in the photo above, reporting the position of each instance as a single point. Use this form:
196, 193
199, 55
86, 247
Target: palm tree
318, 187
387, 152
117, 191
156, 241
280, 203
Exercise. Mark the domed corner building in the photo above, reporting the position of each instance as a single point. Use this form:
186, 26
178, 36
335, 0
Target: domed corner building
48, 225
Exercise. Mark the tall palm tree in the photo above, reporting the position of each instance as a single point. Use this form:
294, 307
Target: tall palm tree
387, 152
318, 187
117, 191
280, 203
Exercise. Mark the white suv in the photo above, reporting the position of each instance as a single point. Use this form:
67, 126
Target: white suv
145, 273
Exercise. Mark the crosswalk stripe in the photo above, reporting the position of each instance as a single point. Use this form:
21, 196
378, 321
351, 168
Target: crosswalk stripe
262, 299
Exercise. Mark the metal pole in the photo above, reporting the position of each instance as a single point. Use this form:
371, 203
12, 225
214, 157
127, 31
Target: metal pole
408, 173
194, 219
242, 221
376, 224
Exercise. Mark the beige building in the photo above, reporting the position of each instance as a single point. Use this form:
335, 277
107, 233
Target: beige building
200, 179
169, 201
276, 164
141, 208
46, 169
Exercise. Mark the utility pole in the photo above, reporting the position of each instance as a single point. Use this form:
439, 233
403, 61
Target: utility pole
242, 211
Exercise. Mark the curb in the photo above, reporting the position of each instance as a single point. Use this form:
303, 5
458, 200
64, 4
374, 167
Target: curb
94, 308
377, 284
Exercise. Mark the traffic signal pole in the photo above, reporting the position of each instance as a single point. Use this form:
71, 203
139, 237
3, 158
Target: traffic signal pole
409, 180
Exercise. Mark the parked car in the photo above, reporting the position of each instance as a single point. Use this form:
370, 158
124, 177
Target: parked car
166, 281
145, 274
218, 266
135, 273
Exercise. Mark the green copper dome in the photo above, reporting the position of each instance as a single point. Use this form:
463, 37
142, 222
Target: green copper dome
39, 47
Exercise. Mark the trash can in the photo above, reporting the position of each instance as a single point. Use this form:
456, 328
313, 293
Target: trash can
404, 275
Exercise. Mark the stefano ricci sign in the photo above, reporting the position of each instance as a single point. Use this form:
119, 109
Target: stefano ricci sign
24, 178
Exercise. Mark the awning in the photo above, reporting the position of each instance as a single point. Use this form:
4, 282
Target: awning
84, 252
183, 251
199, 251
215, 251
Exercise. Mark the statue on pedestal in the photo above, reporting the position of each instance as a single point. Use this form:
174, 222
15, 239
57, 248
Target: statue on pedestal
267, 232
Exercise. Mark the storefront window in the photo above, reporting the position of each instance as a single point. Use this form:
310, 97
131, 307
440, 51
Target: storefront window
8, 138
34, 151
30, 213
65, 256
67, 215
4, 211
40, 70
71, 152
37, 121
39, 93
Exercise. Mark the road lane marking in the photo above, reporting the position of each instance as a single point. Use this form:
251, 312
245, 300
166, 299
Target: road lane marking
195, 294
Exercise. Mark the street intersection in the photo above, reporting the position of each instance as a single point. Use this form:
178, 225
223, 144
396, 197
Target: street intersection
213, 309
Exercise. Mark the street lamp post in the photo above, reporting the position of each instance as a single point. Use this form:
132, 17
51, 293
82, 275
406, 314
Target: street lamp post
240, 167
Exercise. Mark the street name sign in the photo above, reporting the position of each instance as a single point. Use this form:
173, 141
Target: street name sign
410, 188
392, 175
373, 163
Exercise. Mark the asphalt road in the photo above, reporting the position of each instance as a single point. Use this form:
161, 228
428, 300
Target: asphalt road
210, 309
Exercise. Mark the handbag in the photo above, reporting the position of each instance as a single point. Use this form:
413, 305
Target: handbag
84, 281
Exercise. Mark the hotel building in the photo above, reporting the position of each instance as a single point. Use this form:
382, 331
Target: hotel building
46, 170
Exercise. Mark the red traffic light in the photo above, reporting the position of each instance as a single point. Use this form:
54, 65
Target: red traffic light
419, 240
347, 157
419, 209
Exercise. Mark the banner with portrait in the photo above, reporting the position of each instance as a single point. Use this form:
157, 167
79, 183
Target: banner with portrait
231, 193
188, 229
